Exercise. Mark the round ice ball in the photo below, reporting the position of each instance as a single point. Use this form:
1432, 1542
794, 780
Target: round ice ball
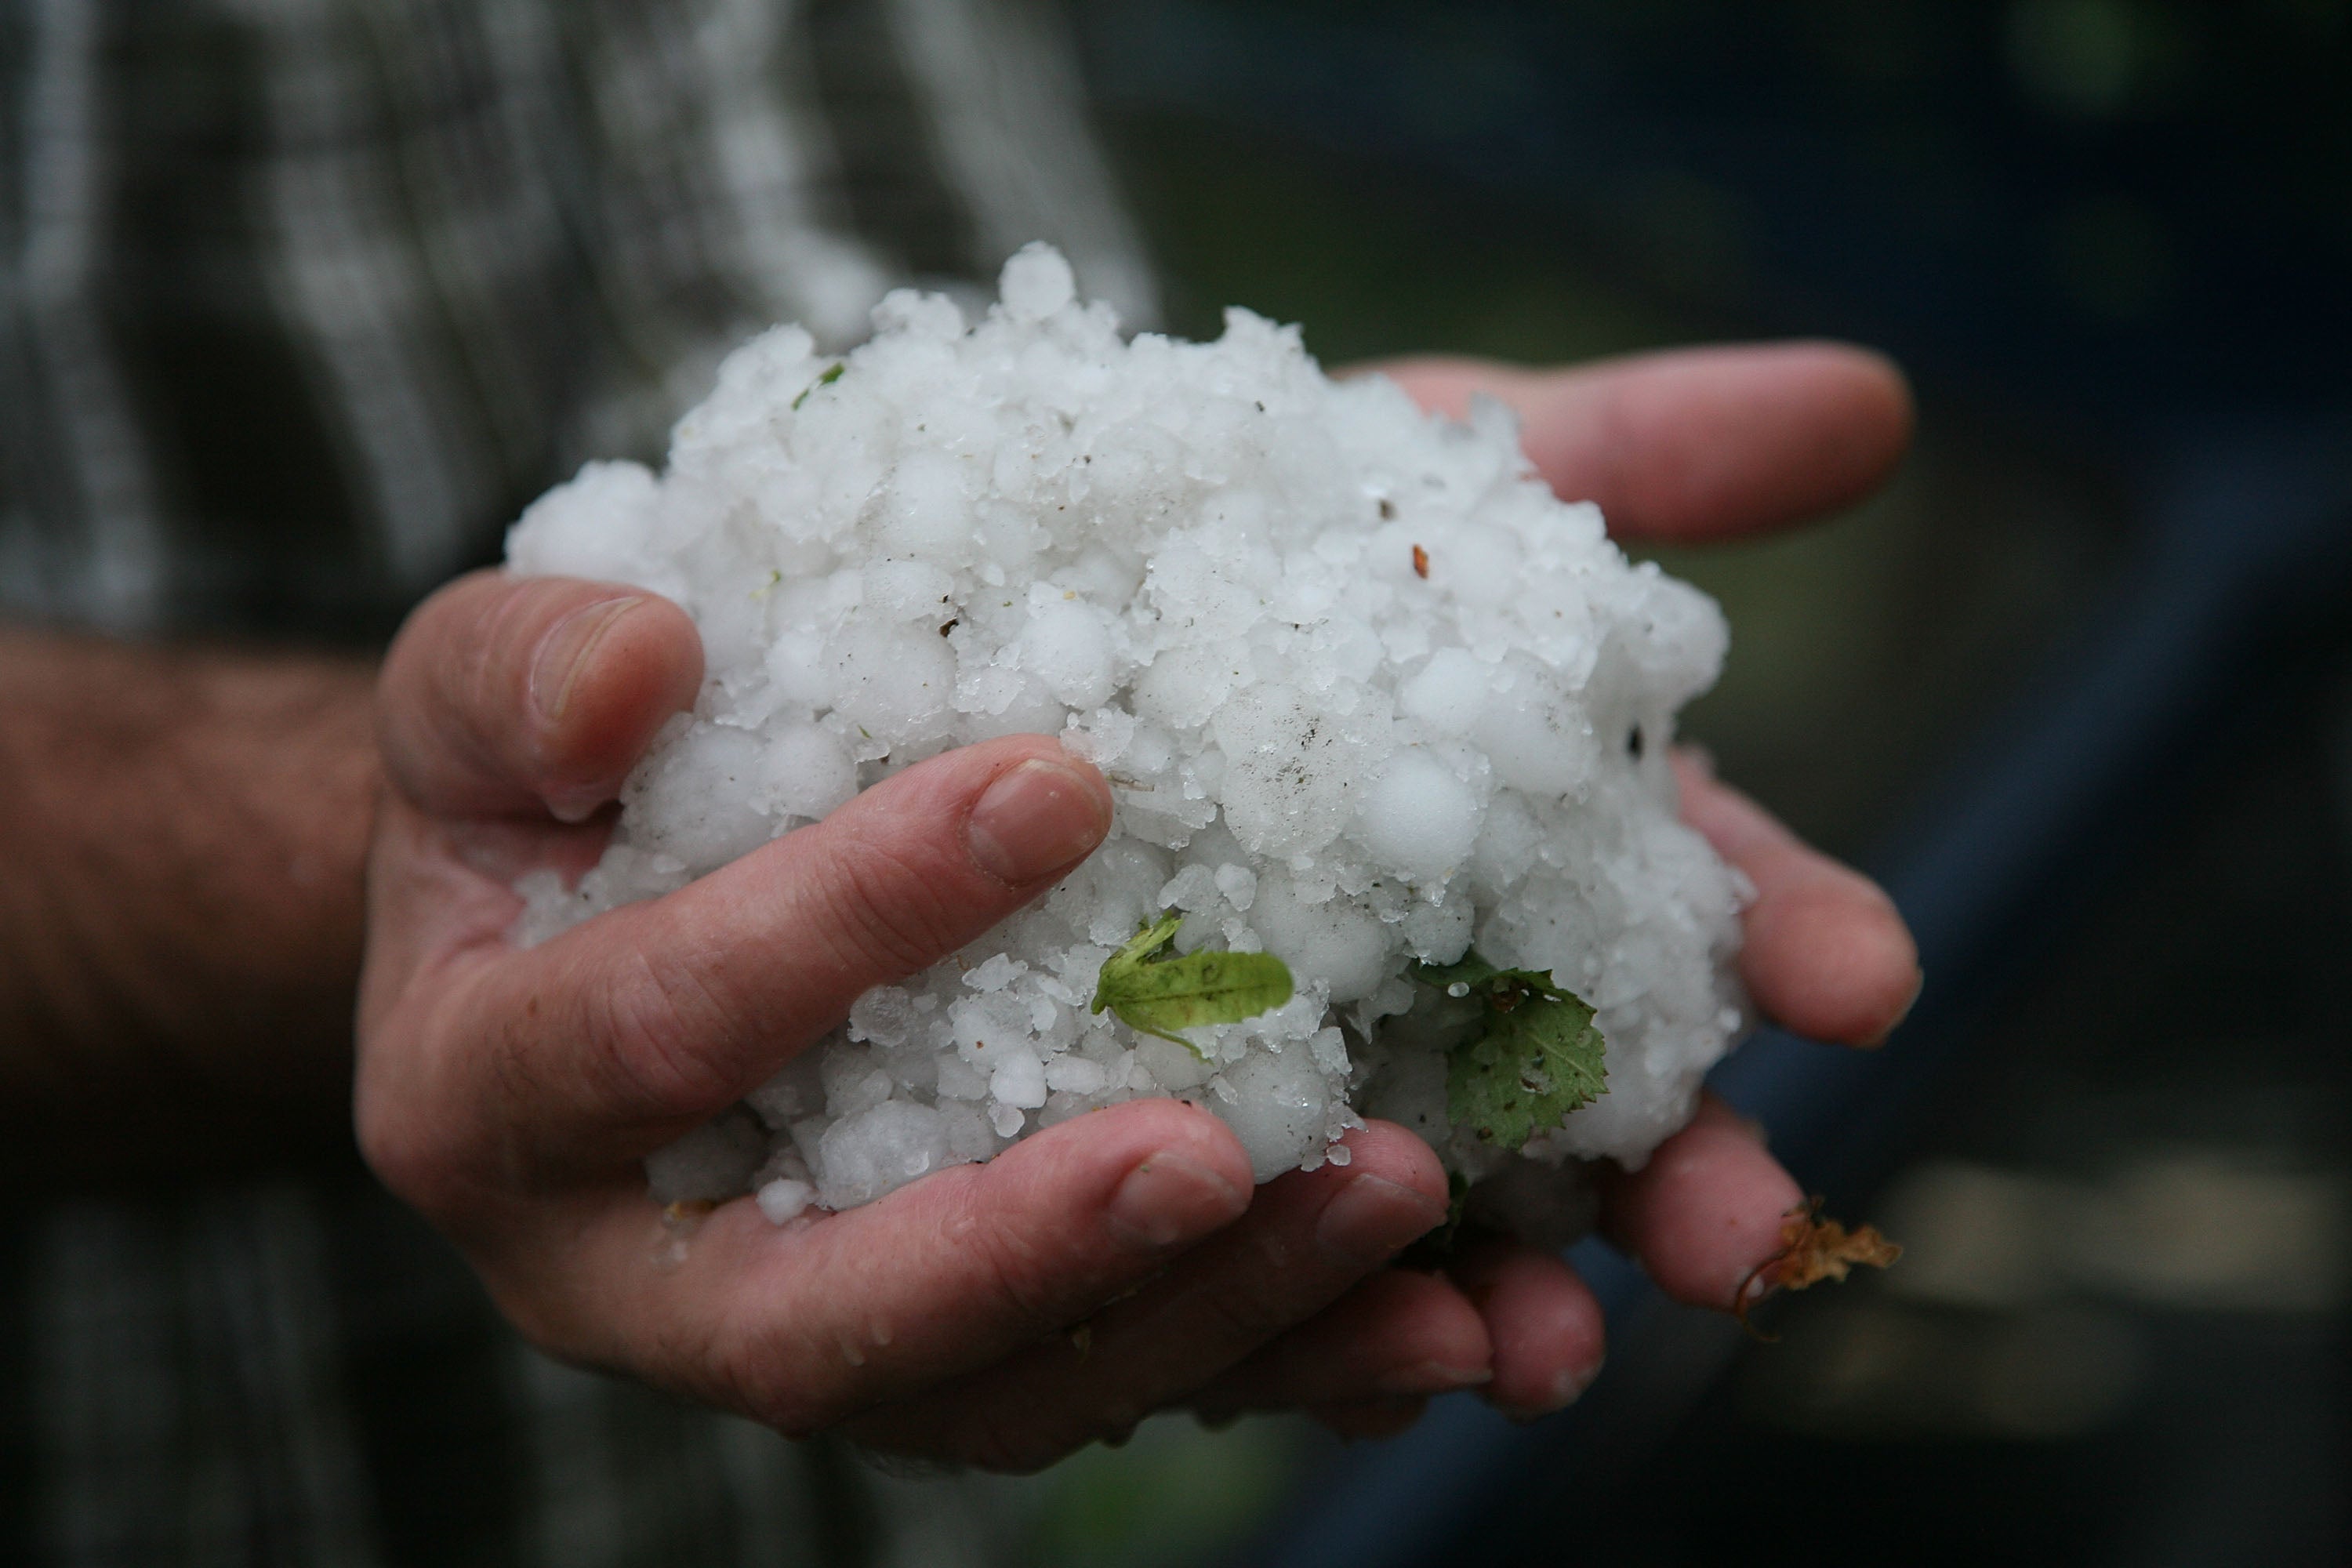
600, 526
1418, 816
1277, 1103
804, 772
1067, 647
1448, 692
878, 1150
925, 511
1286, 772
701, 797
1334, 942
892, 679
1036, 282
1539, 742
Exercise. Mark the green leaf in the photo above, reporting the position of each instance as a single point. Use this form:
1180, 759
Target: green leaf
1156, 993
832, 373
1536, 1058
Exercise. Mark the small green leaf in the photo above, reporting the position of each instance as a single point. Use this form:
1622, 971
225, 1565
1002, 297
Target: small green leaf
832, 373
1155, 993
1538, 1058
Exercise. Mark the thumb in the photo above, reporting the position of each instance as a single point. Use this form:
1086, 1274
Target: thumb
506, 696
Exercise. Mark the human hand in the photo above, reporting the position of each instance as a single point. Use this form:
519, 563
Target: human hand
511, 1095
1691, 447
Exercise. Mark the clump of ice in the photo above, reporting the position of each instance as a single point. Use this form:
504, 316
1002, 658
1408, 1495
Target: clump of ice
1367, 693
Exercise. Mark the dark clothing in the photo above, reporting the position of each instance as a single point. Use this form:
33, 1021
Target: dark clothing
303, 301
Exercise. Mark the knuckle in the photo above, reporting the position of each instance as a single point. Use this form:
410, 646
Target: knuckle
885, 909
667, 1037
1009, 1268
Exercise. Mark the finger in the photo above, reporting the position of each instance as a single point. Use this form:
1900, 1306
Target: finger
1401, 1332
1697, 443
801, 1326
1505, 1316
508, 695
1368, 1421
1705, 1210
1308, 1237
1824, 951
1542, 1319
614, 1036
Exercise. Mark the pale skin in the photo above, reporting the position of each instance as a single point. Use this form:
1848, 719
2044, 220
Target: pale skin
999, 1314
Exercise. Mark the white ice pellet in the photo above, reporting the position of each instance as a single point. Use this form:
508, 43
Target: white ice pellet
1418, 816
995, 973
1365, 693
1447, 693
710, 1162
1036, 283
1019, 1078
1276, 1107
1337, 943
1078, 1075
878, 1150
1067, 647
783, 1199
805, 772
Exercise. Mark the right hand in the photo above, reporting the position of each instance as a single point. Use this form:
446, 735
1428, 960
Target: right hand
511, 1096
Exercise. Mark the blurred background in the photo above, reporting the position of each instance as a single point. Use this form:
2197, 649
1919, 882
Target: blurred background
2078, 687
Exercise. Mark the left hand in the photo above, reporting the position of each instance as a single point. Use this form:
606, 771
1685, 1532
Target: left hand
1684, 446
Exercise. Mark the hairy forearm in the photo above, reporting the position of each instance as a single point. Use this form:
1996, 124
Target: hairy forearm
182, 834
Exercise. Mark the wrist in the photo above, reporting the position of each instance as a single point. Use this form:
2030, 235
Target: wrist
180, 929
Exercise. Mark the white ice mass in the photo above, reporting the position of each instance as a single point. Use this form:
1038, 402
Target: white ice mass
1367, 693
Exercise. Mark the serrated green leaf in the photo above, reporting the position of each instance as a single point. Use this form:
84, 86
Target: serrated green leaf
1536, 1058
1155, 993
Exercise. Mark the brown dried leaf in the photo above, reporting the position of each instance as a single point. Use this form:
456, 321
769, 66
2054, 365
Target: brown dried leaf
1812, 1249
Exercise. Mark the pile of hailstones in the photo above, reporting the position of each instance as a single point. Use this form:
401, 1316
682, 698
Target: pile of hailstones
1367, 693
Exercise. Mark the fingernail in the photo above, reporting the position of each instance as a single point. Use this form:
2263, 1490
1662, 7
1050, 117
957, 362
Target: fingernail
1169, 1199
1370, 1220
1431, 1377
1036, 818
565, 649
1568, 1386
1880, 1039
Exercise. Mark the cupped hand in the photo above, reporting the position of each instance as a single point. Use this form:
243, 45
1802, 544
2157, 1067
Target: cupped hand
1685, 446
1120, 1263
999, 1314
